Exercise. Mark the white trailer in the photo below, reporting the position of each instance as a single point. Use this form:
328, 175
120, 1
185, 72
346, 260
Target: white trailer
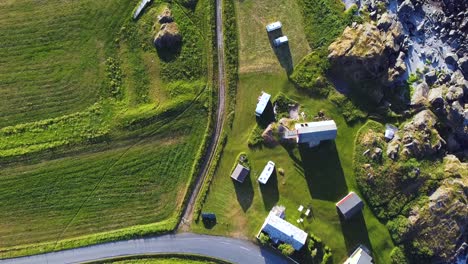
266, 173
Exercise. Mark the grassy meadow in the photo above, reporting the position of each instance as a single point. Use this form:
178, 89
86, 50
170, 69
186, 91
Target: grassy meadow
316, 178
100, 134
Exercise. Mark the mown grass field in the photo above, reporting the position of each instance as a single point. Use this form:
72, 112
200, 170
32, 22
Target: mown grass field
317, 178
99, 136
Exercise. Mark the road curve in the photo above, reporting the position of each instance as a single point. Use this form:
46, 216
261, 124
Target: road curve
229, 249
187, 215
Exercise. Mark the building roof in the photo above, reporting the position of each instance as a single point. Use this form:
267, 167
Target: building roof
282, 230
239, 173
140, 8
266, 173
390, 131
350, 205
263, 101
316, 131
273, 26
359, 256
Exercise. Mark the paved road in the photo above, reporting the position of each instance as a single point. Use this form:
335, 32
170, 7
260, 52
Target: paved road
188, 211
230, 249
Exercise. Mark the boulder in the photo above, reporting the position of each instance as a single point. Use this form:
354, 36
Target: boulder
406, 8
168, 37
165, 16
430, 77
436, 98
420, 94
454, 93
451, 58
463, 64
393, 148
385, 21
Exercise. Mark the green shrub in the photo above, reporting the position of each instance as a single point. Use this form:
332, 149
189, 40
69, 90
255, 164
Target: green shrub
114, 74
286, 249
348, 109
255, 138
282, 103
264, 239
397, 256
309, 73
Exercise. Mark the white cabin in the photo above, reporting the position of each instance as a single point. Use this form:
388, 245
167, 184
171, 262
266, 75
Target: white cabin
280, 41
273, 26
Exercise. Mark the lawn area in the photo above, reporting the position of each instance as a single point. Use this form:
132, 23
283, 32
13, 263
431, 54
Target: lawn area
52, 57
163, 259
316, 177
116, 160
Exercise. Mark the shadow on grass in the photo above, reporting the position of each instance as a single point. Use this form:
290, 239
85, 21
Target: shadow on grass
169, 54
283, 52
244, 193
355, 232
323, 171
270, 193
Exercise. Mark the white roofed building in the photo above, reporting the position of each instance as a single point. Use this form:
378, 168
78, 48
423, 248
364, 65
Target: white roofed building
359, 256
313, 133
273, 26
266, 173
262, 104
281, 230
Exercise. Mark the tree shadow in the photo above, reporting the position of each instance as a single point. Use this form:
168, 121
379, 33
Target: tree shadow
270, 193
283, 52
244, 192
323, 171
169, 54
355, 232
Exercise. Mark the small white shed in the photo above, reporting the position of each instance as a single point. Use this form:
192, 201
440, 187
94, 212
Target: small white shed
273, 26
280, 41
266, 173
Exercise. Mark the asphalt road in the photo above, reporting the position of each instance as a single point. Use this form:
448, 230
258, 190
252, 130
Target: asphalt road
230, 249
187, 216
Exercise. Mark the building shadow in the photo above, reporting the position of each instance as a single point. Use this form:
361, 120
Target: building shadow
244, 192
270, 193
209, 223
282, 52
355, 232
323, 171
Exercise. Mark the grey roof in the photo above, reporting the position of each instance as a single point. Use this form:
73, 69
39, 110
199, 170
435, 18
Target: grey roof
280, 229
316, 131
239, 173
350, 205
263, 101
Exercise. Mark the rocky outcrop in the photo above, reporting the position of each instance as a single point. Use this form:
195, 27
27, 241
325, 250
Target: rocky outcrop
365, 54
420, 138
420, 93
441, 224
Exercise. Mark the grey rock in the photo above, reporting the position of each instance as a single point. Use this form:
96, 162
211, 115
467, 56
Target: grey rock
463, 65
420, 94
451, 58
393, 148
430, 77
454, 93
436, 98
406, 7
385, 21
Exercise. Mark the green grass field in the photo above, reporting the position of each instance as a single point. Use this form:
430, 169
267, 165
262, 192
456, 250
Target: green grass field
99, 136
317, 178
